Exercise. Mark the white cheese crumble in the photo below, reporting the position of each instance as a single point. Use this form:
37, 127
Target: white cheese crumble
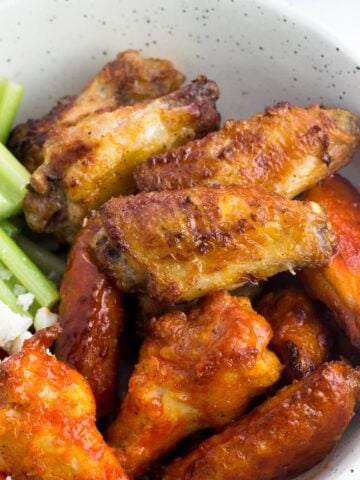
12, 325
44, 318
25, 300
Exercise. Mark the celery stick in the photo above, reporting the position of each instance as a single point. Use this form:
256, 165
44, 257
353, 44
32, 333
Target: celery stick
13, 180
6, 206
10, 98
3, 84
27, 272
10, 299
47, 261
10, 228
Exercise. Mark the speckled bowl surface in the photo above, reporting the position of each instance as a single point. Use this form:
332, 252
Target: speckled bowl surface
259, 52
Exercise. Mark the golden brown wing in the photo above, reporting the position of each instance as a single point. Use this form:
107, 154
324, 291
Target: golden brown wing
285, 436
47, 418
90, 162
286, 150
91, 315
195, 370
338, 285
301, 339
178, 245
126, 80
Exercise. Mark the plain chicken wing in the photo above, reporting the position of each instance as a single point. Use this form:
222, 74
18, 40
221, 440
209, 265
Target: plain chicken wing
88, 163
338, 284
127, 80
91, 315
286, 150
47, 419
196, 369
301, 339
285, 436
178, 245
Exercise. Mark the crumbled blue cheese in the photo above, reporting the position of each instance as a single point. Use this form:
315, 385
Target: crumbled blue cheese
25, 300
19, 290
12, 325
44, 318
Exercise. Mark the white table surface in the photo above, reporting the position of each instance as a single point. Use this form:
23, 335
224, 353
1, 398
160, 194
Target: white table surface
340, 16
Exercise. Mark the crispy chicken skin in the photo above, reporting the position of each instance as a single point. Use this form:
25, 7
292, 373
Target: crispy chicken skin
126, 80
47, 419
286, 150
178, 245
283, 437
91, 315
196, 369
88, 163
338, 284
301, 339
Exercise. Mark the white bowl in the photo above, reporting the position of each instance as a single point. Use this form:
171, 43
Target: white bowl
259, 52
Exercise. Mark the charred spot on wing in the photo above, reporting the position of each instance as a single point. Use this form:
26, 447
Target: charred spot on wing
280, 106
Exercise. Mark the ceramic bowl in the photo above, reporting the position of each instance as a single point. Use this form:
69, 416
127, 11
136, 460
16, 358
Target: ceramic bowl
260, 52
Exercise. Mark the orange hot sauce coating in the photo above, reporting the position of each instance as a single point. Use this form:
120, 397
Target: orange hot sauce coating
92, 316
283, 437
338, 284
47, 419
300, 338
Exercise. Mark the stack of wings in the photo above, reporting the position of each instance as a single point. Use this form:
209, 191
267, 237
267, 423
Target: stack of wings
186, 222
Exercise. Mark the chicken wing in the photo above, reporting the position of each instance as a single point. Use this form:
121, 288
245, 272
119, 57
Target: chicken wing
90, 162
178, 245
285, 436
286, 150
124, 81
47, 419
301, 339
91, 315
195, 370
338, 284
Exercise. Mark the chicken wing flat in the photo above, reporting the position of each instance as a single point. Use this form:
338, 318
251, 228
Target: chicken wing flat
338, 284
301, 339
286, 150
88, 163
285, 436
196, 369
47, 418
127, 80
91, 316
178, 245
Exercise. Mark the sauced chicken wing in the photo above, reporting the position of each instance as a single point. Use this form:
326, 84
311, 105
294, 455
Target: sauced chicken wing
285, 436
178, 245
91, 315
90, 162
47, 419
127, 80
286, 150
196, 369
338, 284
301, 339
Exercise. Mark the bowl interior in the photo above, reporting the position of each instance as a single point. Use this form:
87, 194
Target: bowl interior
259, 52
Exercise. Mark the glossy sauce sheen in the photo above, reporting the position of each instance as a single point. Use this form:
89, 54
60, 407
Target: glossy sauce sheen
92, 316
47, 419
196, 369
338, 284
301, 339
283, 437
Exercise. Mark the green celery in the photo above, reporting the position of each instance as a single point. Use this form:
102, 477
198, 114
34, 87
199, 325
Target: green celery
27, 272
10, 299
10, 97
13, 180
